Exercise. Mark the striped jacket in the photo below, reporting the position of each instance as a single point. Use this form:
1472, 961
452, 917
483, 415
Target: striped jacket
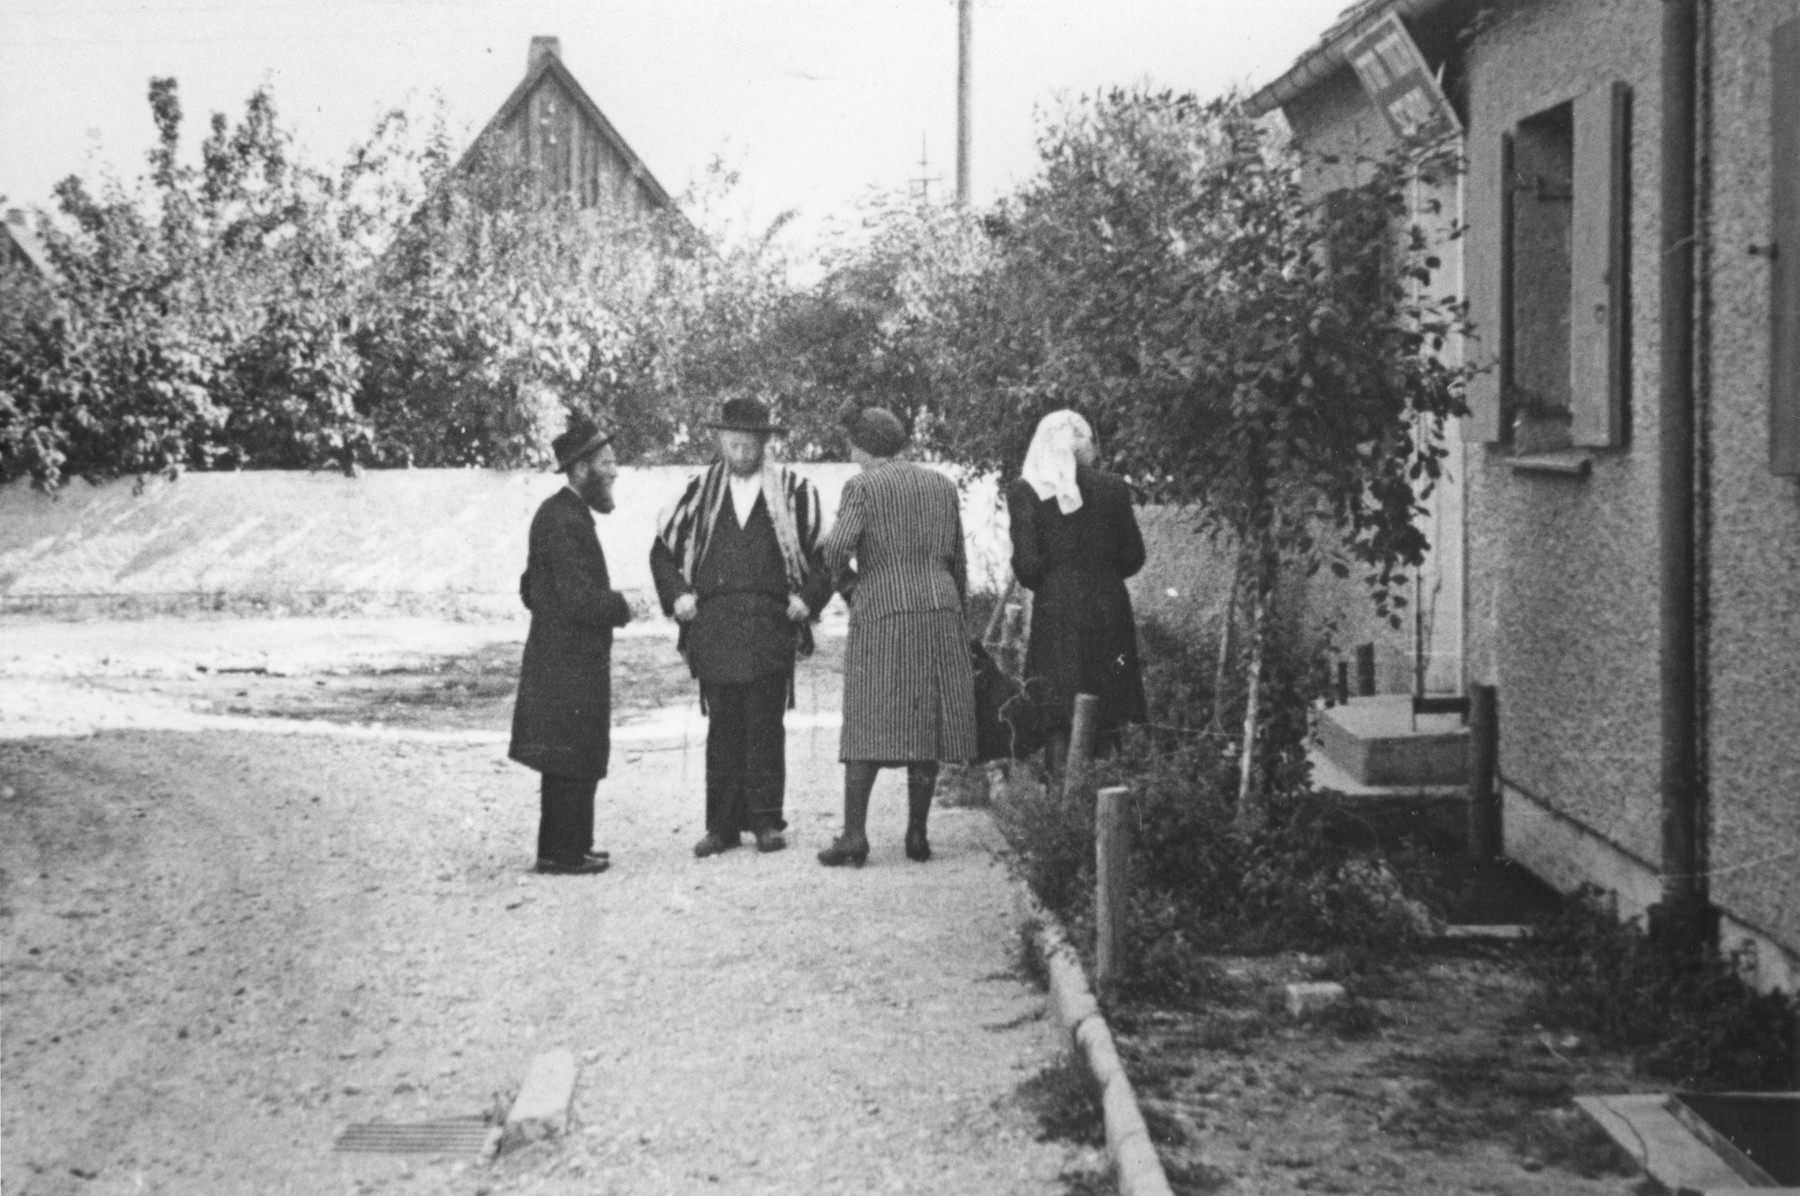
902, 526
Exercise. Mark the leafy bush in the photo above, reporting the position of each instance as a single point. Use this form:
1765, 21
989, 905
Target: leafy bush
408, 308
1306, 878
1065, 1103
1692, 1017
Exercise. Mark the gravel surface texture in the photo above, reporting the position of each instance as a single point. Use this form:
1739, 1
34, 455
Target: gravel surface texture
223, 945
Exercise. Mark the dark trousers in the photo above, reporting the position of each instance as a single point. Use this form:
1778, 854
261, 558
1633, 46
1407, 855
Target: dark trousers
566, 823
746, 755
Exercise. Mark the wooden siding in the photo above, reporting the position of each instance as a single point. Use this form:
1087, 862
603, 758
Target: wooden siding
568, 152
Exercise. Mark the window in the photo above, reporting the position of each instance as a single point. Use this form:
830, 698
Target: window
1540, 190
1564, 294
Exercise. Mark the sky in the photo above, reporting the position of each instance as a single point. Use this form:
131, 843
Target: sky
816, 103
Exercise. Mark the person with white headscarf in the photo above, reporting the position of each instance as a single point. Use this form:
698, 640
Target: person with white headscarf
1074, 542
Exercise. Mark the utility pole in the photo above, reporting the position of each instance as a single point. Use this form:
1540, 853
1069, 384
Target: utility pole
962, 101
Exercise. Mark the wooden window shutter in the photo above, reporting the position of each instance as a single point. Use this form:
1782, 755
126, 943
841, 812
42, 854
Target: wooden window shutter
1599, 285
1487, 414
1784, 258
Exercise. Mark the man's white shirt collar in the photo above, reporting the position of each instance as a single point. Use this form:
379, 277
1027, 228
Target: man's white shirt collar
744, 492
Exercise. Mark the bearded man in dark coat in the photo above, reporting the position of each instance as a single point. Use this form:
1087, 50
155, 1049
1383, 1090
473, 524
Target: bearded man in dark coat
736, 562
562, 719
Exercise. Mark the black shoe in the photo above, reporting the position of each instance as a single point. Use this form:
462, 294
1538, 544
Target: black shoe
918, 847
770, 839
585, 866
605, 857
713, 844
845, 850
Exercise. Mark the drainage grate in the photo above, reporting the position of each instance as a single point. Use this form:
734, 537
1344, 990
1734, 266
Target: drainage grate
449, 1135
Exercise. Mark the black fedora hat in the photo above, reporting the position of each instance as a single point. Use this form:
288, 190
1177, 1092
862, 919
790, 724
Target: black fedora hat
745, 415
584, 436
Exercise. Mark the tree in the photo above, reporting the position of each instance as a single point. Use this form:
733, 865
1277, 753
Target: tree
243, 310
199, 319
1274, 366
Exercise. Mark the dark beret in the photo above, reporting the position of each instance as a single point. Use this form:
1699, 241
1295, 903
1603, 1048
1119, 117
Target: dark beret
875, 430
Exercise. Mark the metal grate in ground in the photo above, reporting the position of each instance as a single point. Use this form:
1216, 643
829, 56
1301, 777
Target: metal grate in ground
472, 1135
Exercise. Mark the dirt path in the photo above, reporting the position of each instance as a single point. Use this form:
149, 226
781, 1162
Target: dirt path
222, 945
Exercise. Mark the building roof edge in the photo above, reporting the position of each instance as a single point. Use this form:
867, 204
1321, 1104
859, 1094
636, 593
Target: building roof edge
1326, 57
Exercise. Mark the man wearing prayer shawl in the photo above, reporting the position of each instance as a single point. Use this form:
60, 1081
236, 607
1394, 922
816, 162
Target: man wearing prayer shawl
736, 562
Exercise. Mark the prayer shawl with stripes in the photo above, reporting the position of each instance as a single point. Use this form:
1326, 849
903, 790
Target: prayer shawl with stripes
793, 503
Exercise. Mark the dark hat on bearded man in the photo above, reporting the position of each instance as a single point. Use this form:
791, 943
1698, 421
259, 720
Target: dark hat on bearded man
875, 430
745, 415
584, 436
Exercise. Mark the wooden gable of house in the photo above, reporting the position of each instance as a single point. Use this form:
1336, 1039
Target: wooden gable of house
553, 128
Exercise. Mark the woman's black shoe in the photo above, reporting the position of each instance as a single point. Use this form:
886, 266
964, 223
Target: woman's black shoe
845, 850
918, 847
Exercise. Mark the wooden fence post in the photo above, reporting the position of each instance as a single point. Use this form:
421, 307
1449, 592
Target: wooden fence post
1081, 744
1484, 831
1112, 883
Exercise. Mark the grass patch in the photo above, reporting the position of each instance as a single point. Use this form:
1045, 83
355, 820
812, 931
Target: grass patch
1087, 1181
962, 787
1194, 1178
1063, 1100
1032, 964
1689, 1017
1352, 1019
1567, 1139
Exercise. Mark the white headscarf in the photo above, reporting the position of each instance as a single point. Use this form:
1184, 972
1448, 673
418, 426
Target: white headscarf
1050, 461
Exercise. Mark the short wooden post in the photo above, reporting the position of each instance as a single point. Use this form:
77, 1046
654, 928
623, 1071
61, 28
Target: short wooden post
1081, 744
1484, 832
1112, 882
1365, 670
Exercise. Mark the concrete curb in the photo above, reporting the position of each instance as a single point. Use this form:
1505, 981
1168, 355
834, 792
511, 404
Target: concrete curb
1136, 1167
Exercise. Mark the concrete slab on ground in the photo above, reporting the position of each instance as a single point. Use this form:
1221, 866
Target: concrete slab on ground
1379, 741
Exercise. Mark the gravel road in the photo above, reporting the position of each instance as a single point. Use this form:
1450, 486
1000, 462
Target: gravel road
223, 945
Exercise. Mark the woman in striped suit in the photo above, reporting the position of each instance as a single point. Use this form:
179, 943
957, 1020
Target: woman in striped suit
909, 692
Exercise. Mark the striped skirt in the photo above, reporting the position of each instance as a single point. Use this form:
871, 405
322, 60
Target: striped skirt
909, 690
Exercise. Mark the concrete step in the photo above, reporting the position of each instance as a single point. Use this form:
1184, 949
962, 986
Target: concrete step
1378, 741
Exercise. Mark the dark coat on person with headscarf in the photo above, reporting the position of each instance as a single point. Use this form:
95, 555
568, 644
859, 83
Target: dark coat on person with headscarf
562, 722
1083, 637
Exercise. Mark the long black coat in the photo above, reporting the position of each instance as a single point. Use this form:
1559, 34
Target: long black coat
562, 721
1083, 636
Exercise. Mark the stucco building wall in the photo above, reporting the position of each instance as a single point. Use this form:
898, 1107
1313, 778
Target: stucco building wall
1563, 576
1562, 569
1753, 596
